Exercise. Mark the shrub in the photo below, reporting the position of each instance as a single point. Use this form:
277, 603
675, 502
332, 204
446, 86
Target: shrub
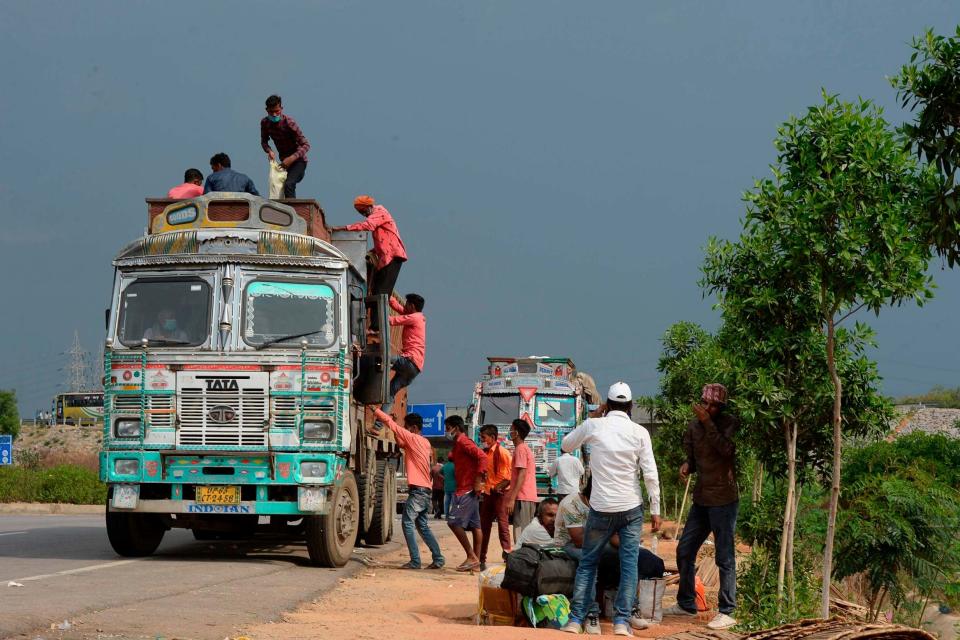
757, 603
64, 483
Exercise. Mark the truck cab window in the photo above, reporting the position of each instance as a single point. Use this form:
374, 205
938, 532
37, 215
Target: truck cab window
284, 313
167, 312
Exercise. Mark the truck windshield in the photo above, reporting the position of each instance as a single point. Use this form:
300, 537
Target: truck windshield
556, 411
284, 313
165, 311
499, 409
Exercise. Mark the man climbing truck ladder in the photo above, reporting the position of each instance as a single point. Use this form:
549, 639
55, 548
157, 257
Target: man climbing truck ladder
259, 404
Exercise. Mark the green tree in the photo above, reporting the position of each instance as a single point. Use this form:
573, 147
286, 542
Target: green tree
899, 521
841, 212
930, 85
9, 416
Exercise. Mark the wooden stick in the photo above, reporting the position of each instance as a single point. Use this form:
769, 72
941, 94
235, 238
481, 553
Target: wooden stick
683, 505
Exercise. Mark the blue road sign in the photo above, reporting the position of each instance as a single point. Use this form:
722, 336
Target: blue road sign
433, 416
6, 449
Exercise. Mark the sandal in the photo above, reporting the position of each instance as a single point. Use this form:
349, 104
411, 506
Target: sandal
468, 567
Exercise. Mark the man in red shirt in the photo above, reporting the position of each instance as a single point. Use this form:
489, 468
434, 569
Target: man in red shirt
191, 188
470, 468
388, 249
522, 497
291, 144
409, 363
416, 456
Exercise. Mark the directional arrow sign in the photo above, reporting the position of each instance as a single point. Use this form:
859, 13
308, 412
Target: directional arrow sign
433, 416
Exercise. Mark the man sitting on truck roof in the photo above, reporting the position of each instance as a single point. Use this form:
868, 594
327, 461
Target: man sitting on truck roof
224, 178
191, 188
416, 455
409, 363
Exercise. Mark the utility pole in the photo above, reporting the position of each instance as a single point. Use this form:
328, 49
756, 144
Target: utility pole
77, 367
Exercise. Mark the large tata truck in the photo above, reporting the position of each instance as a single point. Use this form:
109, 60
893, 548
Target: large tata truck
238, 372
548, 393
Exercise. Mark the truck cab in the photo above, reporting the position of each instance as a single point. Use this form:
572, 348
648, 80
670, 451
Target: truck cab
238, 372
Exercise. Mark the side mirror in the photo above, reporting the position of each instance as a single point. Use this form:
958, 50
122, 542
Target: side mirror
106, 320
358, 320
372, 382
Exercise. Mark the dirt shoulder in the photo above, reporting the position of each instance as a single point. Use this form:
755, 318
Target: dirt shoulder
388, 602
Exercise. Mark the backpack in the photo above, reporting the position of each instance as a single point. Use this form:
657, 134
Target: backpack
533, 570
547, 611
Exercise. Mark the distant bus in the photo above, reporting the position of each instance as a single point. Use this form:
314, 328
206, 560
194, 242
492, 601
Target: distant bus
79, 408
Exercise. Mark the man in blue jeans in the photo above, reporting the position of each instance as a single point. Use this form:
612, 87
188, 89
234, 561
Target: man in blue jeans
416, 455
619, 449
711, 454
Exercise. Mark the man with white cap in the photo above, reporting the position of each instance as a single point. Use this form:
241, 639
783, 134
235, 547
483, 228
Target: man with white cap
711, 454
619, 450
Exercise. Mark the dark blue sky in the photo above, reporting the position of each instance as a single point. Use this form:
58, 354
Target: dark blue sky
555, 167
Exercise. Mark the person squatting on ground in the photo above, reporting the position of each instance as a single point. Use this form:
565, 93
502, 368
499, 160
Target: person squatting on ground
521, 499
389, 254
470, 467
711, 454
413, 341
493, 503
568, 470
619, 449
291, 144
224, 178
191, 187
416, 456
541, 530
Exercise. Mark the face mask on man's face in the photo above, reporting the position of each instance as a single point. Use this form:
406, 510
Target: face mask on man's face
275, 118
451, 435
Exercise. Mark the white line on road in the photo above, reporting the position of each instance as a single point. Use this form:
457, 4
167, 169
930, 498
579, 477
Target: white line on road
12, 533
68, 572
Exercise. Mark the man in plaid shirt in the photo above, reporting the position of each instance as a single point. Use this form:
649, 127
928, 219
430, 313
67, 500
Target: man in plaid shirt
291, 144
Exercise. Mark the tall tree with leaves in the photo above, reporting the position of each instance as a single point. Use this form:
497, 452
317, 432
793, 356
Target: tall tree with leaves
842, 212
9, 416
930, 85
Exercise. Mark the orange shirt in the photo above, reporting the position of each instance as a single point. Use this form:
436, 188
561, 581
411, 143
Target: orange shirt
499, 467
416, 452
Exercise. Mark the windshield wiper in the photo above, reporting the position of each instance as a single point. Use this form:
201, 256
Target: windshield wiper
166, 342
285, 338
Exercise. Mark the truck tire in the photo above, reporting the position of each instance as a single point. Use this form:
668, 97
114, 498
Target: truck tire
379, 532
134, 535
330, 537
368, 491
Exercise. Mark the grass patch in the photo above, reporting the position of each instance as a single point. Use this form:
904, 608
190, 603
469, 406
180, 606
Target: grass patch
63, 483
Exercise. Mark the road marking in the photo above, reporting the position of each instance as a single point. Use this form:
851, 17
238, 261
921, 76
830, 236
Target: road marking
68, 572
12, 533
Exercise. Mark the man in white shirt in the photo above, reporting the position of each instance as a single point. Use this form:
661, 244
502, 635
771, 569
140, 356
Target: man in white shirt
541, 530
619, 448
568, 470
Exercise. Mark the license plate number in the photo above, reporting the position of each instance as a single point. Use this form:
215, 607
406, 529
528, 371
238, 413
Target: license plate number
218, 495
125, 496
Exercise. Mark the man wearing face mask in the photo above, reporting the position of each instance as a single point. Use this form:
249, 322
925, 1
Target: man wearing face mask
165, 328
470, 469
291, 144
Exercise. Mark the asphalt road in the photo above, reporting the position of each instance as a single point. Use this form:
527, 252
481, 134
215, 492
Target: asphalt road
187, 589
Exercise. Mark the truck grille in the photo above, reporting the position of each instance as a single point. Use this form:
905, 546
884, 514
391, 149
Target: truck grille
130, 405
222, 417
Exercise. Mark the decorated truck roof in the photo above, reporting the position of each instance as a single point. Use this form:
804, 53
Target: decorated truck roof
529, 375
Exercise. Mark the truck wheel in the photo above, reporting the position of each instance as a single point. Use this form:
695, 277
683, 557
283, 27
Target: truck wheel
368, 492
379, 532
330, 537
134, 535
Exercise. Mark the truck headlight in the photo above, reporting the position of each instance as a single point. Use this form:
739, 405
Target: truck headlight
126, 467
126, 428
313, 470
318, 430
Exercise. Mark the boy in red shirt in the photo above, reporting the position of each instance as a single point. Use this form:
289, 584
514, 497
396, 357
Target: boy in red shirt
416, 456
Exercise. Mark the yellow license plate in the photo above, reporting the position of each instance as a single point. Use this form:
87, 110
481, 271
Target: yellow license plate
218, 495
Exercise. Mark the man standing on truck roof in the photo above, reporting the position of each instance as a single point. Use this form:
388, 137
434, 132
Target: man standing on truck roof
619, 450
224, 178
711, 454
413, 343
470, 468
389, 254
291, 144
191, 188
492, 503
521, 499
416, 456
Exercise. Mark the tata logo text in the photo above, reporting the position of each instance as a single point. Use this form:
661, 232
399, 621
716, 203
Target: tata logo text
222, 413
222, 384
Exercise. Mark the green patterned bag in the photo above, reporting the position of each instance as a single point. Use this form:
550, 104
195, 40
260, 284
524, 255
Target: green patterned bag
547, 612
